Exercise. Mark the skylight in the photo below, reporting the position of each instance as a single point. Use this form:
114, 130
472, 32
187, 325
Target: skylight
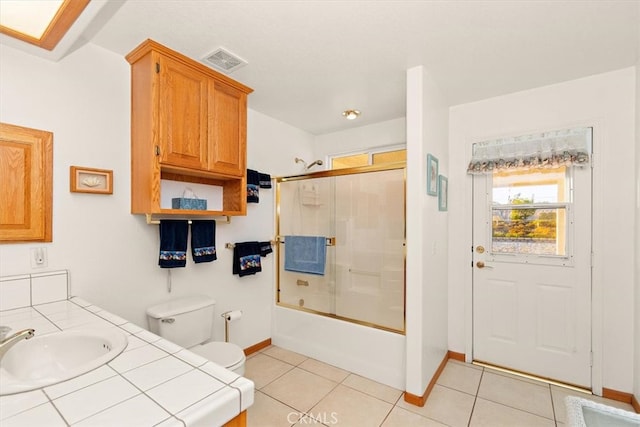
28, 17
39, 22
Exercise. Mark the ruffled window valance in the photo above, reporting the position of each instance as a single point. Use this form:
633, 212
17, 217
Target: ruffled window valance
570, 147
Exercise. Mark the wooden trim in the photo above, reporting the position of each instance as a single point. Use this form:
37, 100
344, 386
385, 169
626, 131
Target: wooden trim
460, 357
68, 13
635, 404
257, 347
620, 396
420, 400
239, 420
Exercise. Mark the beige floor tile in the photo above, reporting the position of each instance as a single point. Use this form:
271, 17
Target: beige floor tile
268, 412
299, 389
468, 365
559, 393
491, 414
445, 405
373, 388
348, 407
309, 421
263, 369
460, 377
402, 418
287, 356
324, 370
517, 394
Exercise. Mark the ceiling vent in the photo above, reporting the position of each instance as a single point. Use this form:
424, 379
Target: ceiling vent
225, 61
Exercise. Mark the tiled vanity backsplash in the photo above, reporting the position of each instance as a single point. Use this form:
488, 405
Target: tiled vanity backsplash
33, 289
153, 382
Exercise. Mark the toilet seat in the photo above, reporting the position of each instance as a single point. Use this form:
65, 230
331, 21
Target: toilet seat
225, 354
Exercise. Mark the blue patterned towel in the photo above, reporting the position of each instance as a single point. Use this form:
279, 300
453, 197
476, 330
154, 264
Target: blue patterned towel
173, 243
203, 241
246, 258
305, 254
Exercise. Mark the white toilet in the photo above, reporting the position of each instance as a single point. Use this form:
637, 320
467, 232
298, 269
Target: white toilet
188, 322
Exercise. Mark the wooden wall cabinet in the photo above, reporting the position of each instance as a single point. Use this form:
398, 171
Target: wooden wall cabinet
26, 184
188, 123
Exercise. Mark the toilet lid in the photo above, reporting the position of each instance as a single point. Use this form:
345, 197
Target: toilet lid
223, 353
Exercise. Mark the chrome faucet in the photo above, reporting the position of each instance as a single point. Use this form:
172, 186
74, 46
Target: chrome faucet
8, 342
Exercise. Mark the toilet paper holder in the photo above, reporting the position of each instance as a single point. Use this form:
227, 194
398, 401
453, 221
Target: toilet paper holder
230, 316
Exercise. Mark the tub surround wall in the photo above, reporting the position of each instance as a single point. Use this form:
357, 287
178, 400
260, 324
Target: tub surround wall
369, 352
84, 99
605, 101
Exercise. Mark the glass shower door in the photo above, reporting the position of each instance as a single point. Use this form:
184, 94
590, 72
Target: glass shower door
363, 217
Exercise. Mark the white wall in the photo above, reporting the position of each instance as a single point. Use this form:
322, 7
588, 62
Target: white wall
605, 102
426, 271
389, 132
112, 255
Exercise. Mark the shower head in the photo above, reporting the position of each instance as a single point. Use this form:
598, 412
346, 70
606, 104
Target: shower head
316, 162
307, 167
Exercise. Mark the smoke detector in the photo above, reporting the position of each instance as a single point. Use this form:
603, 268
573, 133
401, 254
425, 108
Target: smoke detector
225, 61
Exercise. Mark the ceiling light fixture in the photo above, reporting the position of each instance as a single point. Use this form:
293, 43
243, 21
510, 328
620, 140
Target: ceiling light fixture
351, 114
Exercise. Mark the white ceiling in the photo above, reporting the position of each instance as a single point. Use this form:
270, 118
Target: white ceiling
308, 60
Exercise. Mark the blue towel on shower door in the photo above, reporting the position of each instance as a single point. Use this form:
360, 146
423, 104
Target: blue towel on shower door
305, 254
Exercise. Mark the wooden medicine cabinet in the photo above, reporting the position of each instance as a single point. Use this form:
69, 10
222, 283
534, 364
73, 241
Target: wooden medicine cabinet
188, 127
26, 184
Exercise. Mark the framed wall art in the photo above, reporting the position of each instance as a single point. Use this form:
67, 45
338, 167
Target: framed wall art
89, 180
443, 193
432, 175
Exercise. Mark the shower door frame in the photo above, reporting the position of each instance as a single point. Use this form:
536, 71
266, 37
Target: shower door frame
280, 239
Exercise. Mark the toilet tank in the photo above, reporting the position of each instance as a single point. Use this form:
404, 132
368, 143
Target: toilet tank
185, 321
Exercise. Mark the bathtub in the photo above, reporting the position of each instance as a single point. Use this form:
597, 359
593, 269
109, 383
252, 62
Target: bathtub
586, 413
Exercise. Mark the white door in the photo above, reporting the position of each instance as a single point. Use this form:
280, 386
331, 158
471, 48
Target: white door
532, 272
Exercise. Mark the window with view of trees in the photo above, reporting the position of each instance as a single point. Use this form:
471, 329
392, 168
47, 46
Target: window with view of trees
529, 212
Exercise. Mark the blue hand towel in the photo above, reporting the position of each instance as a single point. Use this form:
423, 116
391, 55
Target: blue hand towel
305, 254
265, 180
265, 248
203, 241
253, 186
173, 243
246, 258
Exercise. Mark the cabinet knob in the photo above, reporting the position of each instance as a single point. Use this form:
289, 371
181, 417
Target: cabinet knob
157, 150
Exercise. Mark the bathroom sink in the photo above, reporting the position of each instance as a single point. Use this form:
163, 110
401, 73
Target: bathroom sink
52, 358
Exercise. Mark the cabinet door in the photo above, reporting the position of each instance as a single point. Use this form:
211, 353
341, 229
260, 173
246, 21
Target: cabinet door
26, 184
182, 115
227, 129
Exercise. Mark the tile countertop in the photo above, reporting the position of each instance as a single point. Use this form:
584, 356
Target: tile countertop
153, 382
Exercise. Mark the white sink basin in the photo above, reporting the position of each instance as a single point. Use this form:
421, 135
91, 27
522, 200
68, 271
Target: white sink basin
52, 358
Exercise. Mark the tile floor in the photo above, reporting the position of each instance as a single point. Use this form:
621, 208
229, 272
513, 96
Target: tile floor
294, 390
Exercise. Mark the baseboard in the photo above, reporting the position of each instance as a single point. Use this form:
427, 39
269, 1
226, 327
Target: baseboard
257, 347
421, 400
620, 396
460, 357
635, 404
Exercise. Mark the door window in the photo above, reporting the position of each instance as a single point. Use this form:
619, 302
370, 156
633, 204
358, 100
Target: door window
531, 215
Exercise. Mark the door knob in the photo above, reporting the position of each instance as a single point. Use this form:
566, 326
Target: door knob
481, 264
